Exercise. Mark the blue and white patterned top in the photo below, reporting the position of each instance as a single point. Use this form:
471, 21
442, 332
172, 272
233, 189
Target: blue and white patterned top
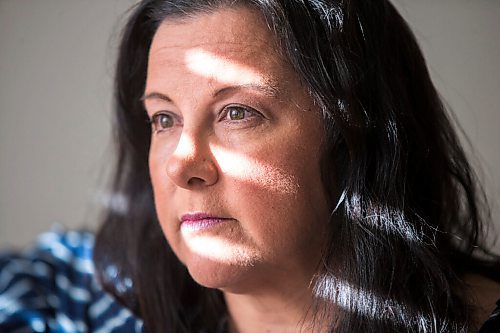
52, 288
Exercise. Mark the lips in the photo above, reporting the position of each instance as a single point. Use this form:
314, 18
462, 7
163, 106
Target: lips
201, 221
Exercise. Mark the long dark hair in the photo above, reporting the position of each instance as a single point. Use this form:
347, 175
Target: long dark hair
407, 210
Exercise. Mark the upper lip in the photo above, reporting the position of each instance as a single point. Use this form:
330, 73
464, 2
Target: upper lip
200, 216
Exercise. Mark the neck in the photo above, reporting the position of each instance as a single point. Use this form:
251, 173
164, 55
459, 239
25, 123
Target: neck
272, 312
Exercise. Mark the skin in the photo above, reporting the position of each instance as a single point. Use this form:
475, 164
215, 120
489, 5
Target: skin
261, 172
236, 136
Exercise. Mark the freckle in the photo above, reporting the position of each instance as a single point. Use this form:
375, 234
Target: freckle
276, 179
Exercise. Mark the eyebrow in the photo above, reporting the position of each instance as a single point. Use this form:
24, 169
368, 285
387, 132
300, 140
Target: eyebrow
271, 90
155, 95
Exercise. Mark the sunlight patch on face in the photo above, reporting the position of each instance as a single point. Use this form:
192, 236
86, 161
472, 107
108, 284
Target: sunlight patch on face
209, 65
218, 249
186, 147
245, 169
242, 168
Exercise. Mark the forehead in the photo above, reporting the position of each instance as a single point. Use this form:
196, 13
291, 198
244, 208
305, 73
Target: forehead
226, 28
227, 36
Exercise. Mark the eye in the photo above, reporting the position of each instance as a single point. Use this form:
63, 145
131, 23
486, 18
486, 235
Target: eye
162, 121
238, 113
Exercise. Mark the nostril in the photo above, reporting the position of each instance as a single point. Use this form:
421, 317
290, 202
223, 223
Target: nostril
193, 181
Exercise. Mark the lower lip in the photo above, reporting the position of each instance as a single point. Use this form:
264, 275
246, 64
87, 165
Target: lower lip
203, 224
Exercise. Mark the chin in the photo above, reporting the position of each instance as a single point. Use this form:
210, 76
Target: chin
214, 262
219, 275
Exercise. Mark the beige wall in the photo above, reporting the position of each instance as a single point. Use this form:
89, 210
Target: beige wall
461, 41
56, 63
56, 60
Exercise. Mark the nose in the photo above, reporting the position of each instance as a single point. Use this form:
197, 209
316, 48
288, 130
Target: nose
192, 164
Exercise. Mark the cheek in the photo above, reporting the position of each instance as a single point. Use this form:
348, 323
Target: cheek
257, 172
157, 174
156, 160
281, 203
163, 188
156, 169
160, 152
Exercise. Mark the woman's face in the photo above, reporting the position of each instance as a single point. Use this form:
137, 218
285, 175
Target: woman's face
235, 151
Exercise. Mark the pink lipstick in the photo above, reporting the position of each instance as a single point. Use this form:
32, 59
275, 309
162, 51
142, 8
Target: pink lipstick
201, 221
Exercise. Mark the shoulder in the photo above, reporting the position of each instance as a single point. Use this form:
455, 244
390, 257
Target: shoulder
52, 287
492, 325
486, 299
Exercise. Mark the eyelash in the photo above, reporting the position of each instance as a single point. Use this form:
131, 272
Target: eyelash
249, 115
155, 121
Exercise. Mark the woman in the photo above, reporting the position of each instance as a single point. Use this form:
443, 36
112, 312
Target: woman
287, 166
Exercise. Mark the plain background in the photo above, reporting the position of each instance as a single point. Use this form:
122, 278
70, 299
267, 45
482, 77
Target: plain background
56, 67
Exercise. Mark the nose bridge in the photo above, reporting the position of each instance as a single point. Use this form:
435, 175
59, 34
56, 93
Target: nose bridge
191, 141
187, 146
191, 163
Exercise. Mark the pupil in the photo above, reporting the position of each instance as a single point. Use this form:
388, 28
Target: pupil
165, 121
236, 114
